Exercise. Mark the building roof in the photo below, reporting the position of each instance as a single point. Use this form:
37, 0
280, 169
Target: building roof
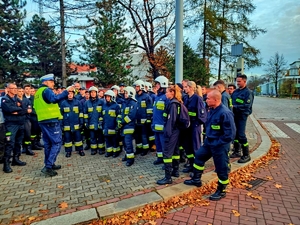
82, 68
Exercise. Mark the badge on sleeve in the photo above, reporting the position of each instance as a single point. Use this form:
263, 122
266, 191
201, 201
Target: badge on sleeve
248, 101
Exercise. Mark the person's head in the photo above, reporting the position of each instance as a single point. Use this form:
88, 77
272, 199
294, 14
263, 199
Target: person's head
87, 95
27, 88
20, 92
198, 90
204, 90
11, 89
184, 83
32, 91
122, 87
161, 82
58, 90
148, 86
139, 85
174, 92
180, 86
241, 81
190, 88
93, 92
231, 88
109, 96
129, 92
76, 86
219, 85
48, 80
115, 89
213, 99
82, 91
100, 93
71, 95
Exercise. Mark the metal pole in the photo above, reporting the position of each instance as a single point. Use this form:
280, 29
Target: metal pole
179, 41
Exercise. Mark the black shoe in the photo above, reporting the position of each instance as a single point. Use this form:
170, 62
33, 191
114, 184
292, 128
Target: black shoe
29, 151
68, 154
124, 159
144, 152
138, 151
182, 160
235, 155
129, 162
164, 181
39, 144
93, 152
163, 167
81, 153
17, 162
56, 167
87, 147
187, 169
6, 166
244, 159
186, 165
116, 154
108, 154
193, 182
217, 195
49, 172
175, 173
158, 161
101, 152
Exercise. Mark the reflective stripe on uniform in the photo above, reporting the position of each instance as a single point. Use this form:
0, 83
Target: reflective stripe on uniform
190, 156
145, 146
159, 154
109, 149
111, 132
128, 131
101, 145
69, 144
79, 143
246, 144
198, 167
224, 181
127, 119
151, 138
239, 100
158, 127
176, 157
192, 114
168, 160
215, 127
93, 146
130, 156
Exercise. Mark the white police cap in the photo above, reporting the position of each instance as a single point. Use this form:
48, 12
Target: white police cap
47, 77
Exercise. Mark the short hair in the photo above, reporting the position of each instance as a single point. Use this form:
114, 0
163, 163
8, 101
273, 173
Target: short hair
185, 80
26, 85
232, 85
221, 82
243, 76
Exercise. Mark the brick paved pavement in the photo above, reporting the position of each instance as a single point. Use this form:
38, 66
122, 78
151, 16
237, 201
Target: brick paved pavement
83, 182
279, 206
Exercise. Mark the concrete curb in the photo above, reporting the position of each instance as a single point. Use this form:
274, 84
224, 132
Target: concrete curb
166, 193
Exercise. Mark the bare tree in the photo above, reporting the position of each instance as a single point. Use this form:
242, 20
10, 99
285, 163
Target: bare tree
153, 21
275, 68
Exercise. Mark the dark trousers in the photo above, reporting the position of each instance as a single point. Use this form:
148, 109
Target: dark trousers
27, 133
171, 147
160, 143
111, 143
16, 137
220, 157
192, 140
141, 137
52, 138
35, 129
240, 123
2, 140
128, 146
70, 137
97, 139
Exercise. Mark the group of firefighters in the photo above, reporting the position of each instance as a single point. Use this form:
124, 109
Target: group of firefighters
149, 116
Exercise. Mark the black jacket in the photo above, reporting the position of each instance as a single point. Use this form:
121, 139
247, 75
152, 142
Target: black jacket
9, 106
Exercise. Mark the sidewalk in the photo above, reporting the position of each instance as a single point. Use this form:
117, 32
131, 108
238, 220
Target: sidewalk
94, 186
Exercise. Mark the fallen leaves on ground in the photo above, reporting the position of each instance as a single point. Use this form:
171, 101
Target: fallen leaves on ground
60, 186
278, 185
235, 213
31, 191
63, 205
254, 206
254, 196
269, 178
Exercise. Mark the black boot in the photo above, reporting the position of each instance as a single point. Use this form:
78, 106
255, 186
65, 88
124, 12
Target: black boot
108, 154
167, 179
35, 145
175, 165
130, 162
49, 172
246, 157
68, 154
88, 145
236, 150
81, 153
196, 179
124, 159
17, 162
28, 150
182, 156
158, 161
93, 151
220, 192
38, 142
6, 166
138, 151
189, 168
144, 152
56, 167
116, 154
1, 160
101, 151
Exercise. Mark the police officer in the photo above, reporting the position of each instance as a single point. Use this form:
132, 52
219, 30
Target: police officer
48, 113
197, 113
220, 131
111, 110
14, 115
226, 99
158, 121
143, 117
72, 122
242, 100
27, 125
171, 134
126, 122
93, 121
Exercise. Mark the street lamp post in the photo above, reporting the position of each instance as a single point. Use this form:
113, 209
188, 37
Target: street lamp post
179, 41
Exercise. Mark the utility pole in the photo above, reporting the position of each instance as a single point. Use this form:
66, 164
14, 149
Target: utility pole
63, 43
179, 41
40, 8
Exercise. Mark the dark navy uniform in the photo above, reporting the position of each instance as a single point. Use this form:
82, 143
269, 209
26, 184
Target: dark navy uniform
197, 113
226, 100
93, 120
72, 123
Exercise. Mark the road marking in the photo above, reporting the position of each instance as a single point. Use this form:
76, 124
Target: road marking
294, 126
274, 130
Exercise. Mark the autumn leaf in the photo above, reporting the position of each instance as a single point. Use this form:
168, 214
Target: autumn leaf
63, 205
140, 215
278, 185
269, 178
141, 177
44, 211
60, 186
17, 178
69, 164
107, 181
235, 213
152, 222
41, 205
31, 191
249, 193
274, 167
254, 207
31, 218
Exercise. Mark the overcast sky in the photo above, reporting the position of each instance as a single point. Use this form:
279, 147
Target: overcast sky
281, 19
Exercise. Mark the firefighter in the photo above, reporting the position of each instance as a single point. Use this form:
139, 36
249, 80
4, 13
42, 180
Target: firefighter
226, 99
72, 122
93, 119
111, 110
242, 100
85, 130
126, 122
171, 153
159, 107
197, 113
143, 117
220, 132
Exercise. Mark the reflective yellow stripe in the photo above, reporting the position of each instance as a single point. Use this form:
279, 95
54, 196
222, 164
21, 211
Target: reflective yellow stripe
128, 131
145, 146
109, 149
143, 121
101, 145
111, 132
76, 126
215, 127
245, 145
159, 154
239, 100
176, 157
85, 116
69, 144
151, 138
190, 156
168, 160
67, 128
237, 141
198, 167
112, 113
80, 115
230, 103
165, 114
130, 156
181, 148
127, 119
192, 114
27, 142
139, 145
79, 143
93, 146
158, 127
148, 121
149, 111
224, 181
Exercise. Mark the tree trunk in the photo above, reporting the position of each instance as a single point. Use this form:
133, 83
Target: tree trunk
63, 44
